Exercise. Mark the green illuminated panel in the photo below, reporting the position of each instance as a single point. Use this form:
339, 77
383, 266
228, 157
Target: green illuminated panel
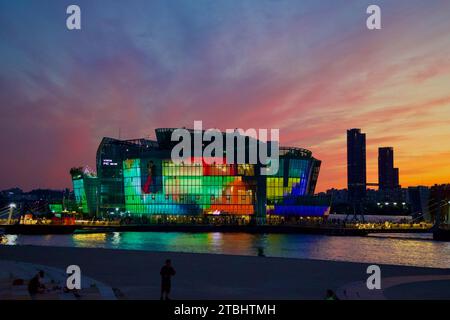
80, 195
56, 207
184, 189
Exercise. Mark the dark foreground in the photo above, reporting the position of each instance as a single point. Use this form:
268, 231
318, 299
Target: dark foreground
209, 276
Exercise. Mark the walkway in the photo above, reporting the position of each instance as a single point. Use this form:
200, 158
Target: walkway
395, 288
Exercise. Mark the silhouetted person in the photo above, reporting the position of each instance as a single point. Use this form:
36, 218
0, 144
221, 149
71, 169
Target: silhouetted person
167, 271
35, 285
331, 295
261, 252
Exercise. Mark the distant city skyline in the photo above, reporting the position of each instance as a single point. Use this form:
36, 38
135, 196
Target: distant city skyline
311, 69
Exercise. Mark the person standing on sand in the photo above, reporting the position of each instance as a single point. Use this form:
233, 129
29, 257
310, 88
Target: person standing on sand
330, 295
36, 284
167, 271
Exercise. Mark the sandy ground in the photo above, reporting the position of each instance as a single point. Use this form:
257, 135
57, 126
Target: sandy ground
210, 276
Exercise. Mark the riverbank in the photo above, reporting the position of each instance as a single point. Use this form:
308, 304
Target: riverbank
211, 276
316, 229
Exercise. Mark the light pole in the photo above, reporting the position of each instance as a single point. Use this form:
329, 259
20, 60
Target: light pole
11, 210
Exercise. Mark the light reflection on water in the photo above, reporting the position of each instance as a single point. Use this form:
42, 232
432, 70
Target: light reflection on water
383, 249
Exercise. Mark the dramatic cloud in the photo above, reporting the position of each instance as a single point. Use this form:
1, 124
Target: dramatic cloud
310, 68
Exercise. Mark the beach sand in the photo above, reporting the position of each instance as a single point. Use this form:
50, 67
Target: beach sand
211, 276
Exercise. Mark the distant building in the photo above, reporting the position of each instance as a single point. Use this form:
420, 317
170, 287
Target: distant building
337, 195
388, 176
418, 199
439, 203
389, 195
18, 195
396, 178
376, 202
356, 165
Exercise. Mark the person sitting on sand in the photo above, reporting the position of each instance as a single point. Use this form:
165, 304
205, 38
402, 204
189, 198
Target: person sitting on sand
167, 271
35, 285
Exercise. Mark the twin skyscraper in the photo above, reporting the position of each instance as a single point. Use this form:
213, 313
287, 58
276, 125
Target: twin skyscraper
388, 176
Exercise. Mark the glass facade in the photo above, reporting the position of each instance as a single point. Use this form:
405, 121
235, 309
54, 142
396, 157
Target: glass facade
85, 187
55, 207
154, 186
80, 194
137, 177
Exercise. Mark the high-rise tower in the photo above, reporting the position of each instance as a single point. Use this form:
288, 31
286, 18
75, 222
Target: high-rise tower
356, 164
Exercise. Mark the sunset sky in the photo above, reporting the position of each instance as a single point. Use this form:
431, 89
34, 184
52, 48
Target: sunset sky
310, 68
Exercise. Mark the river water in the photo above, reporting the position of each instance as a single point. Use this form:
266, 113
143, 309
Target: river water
399, 249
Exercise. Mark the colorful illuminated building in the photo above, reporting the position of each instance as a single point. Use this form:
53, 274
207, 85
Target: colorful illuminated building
85, 188
138, 178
